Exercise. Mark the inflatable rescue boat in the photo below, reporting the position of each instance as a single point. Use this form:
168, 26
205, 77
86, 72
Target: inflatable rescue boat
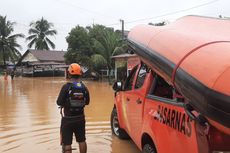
193, 54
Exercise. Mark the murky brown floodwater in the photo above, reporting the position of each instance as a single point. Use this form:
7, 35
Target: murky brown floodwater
29, 117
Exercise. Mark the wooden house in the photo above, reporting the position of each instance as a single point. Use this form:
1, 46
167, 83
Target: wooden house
42, 63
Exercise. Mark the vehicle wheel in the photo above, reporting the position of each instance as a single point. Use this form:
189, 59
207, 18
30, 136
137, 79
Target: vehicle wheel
149, 148
116, 130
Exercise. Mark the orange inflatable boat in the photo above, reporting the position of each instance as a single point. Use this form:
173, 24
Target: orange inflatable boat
193, 54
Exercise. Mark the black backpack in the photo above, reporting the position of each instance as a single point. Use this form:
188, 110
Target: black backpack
76, 97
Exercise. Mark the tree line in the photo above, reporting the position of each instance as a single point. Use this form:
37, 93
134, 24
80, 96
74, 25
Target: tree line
91, 46
38, 37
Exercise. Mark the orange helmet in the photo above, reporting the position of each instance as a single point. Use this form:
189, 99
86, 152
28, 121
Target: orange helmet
74, 69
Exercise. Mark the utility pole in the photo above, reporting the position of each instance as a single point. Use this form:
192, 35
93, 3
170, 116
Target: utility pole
122, 29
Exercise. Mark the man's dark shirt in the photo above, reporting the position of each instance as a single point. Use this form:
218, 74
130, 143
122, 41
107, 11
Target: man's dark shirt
63, 98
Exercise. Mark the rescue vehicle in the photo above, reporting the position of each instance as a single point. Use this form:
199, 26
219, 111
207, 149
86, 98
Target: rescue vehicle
177, 99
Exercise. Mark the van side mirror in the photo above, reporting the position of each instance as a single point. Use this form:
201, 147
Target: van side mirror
117, 86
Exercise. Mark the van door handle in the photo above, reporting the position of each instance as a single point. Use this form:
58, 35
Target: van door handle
138, 101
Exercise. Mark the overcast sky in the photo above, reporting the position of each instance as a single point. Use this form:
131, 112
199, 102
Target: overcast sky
66, 14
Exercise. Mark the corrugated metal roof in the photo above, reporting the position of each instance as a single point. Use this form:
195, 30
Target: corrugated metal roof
47, 55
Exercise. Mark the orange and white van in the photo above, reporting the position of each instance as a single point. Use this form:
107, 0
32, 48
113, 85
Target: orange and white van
177, 99
148, 110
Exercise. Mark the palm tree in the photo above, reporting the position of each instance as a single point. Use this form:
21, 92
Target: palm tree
106, 47
8, 43
39, 32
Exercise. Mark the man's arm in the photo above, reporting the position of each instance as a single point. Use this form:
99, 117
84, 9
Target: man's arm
62, 95
87, 96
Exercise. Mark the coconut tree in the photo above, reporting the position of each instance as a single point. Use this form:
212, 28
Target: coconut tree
106, 47
38, 35
8, 41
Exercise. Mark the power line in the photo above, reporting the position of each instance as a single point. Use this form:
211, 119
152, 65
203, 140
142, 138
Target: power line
127, 22
86, 10
112, 24
171, 13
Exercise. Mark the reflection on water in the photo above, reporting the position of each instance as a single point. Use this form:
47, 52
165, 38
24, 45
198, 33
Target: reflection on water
29, 117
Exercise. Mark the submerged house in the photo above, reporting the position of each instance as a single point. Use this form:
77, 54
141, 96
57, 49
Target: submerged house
42, 63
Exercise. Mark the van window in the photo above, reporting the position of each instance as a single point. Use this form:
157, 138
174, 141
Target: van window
161, 88
141, 76
129, 81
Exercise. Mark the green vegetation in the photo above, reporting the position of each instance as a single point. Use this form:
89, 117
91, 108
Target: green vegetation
39, 32
79, 48
94, 46
90, 46
106, 46
8, 41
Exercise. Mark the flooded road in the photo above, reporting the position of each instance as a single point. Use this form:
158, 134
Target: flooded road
30, 119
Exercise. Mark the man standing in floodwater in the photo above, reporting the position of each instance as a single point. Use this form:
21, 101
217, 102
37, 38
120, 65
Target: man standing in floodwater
12, 73
72, 98
5, 75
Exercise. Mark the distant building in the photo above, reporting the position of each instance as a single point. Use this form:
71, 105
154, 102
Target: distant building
124, 63
42, 63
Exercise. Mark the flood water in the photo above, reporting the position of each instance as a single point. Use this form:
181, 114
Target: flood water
30, 119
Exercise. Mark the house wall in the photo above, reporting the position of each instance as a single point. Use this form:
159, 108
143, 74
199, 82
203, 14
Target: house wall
120, 69
132, 62
123, 66
30, 57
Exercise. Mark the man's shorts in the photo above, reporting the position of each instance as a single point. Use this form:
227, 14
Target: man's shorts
70, 126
